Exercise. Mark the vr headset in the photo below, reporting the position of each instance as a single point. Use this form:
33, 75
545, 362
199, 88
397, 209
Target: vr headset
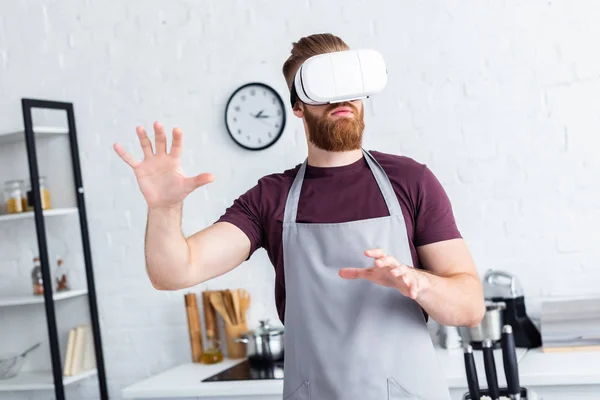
339, 76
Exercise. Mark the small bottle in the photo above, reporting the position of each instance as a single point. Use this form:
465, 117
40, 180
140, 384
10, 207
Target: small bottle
212, 353
37, 278
62, 280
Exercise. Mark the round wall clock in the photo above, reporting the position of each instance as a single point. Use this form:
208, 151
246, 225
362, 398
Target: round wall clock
255, 116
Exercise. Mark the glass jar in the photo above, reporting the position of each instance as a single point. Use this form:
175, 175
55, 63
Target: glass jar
44, 195
37, 279
13, 192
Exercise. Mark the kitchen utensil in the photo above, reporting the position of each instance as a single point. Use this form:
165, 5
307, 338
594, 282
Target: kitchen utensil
10, 364
509, 359
228, 301
265, 344
244, 303
195, 330
235, 349
490, 369
235, 297
501, 286
216, 299
490, 327
221, 302
471, 371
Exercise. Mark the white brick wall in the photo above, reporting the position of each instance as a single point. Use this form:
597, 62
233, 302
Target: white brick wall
500, 99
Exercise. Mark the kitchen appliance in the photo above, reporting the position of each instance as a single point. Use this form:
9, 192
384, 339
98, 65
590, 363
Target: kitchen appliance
247, 370
503, 287
265, 344
513, 389
490, 327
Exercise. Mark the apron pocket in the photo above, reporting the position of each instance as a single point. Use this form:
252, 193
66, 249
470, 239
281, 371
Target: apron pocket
397, 392
301, 393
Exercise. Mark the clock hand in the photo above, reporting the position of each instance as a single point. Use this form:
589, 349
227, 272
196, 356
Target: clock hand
264, 122
259, 114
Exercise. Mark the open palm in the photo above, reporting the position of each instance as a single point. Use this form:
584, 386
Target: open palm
160, 176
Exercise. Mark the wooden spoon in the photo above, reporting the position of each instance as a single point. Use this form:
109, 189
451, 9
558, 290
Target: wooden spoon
235, 297
244, 303
216, 299
227, 300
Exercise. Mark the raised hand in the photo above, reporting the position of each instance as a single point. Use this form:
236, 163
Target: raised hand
387, 271
160, 176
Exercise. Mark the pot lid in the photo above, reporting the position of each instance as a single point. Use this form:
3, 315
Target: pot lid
265, 329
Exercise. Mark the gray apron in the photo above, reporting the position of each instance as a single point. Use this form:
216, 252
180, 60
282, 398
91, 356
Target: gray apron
352, 339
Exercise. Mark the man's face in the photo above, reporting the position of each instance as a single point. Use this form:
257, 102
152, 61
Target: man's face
335, 127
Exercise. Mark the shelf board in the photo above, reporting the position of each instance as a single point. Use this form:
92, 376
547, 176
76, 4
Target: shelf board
40, 131
6, 301
39, 380
30, 214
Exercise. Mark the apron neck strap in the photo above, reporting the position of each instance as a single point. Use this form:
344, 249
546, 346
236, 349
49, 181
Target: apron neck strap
385, 186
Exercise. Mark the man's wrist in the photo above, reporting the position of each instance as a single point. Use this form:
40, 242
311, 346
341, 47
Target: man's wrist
423, 283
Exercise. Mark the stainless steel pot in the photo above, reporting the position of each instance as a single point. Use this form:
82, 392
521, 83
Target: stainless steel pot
490, 326
265, 344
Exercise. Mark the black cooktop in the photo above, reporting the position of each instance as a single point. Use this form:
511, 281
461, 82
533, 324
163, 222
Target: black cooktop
247, 370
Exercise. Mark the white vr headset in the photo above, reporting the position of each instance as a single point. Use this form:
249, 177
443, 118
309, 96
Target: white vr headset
339, 76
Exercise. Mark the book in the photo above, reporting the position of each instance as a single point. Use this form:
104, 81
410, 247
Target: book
80, 355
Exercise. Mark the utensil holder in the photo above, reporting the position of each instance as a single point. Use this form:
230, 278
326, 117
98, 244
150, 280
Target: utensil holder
525, 394
235, 350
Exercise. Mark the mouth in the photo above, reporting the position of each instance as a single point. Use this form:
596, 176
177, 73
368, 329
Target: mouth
342, 111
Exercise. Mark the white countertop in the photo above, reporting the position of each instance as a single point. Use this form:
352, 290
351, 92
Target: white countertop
535, 369
186, 381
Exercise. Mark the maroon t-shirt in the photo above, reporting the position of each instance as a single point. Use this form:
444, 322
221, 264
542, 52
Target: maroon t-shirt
341, 194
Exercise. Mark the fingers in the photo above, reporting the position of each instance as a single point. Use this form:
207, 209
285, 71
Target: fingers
200, 180
128, 158
375, 253
160, 138
177, 141
144, 141
386, 261
354, 273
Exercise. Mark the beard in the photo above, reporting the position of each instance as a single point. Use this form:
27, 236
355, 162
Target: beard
336, 134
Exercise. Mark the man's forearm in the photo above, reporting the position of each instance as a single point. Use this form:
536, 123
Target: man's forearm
166, 249
456, 300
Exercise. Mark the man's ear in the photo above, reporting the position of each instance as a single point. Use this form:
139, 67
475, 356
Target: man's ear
298, 110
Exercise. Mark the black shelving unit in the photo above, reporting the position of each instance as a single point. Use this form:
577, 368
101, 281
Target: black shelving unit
57, 369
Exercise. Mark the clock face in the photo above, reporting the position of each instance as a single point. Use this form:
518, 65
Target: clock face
255, 116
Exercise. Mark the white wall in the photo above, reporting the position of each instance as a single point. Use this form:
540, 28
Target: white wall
500, 99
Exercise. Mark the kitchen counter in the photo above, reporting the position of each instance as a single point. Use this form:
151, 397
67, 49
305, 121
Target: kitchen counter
551, 375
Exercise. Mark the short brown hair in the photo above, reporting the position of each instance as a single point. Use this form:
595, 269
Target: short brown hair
309, 46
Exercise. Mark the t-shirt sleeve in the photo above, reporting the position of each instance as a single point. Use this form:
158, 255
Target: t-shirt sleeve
245, 214
434, 220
